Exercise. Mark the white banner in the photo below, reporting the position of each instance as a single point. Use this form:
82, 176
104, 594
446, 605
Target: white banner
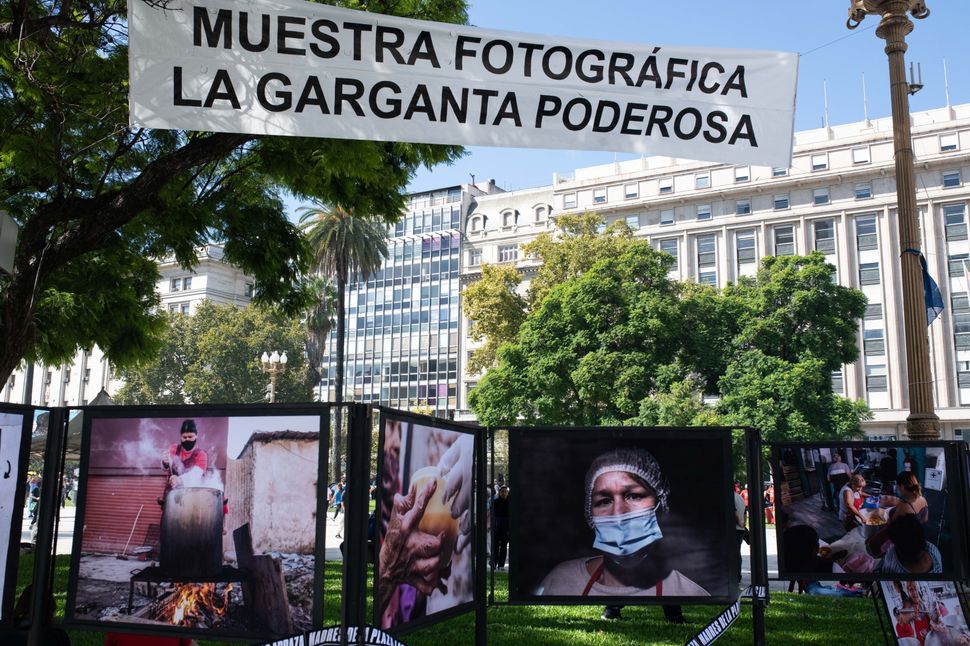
285, 67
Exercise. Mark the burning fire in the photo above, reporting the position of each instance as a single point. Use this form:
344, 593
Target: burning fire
195, 605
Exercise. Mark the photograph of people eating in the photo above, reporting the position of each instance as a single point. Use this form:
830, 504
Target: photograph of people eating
861, 509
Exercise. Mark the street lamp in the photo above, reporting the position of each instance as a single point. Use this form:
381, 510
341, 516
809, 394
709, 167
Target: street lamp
922, 422
273, 364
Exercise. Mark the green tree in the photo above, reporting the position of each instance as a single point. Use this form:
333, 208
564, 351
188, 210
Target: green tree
494, 307
495, 311
96, 199
345, 245
212, 357
621, 343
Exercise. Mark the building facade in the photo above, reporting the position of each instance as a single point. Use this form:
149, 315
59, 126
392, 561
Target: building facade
180, 290
838, 197
403, 323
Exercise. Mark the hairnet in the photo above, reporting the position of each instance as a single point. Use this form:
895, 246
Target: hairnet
631, 460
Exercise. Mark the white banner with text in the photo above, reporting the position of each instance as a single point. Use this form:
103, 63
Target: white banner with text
285, 67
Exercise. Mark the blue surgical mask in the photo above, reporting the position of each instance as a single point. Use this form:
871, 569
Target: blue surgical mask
626, 534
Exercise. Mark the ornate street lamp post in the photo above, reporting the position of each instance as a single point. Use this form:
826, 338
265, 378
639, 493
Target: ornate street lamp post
273, 364
922, 422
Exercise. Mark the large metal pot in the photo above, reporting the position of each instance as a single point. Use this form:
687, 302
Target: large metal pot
191, 533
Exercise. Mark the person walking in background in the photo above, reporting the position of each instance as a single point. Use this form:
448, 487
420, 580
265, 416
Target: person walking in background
500, 527
33, 500
338, 500
740, 526
769, 502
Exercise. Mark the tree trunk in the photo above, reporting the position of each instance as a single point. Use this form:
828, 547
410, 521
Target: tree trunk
339, 381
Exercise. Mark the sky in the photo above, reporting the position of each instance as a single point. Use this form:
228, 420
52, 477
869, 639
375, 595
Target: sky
832, 60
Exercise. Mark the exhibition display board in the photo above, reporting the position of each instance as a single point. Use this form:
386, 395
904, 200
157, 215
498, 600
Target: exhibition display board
864, 511
15, 426
622, 515
424, 570
199, 520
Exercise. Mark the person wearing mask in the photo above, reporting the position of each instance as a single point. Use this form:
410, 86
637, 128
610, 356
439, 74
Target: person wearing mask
500, 527
626, 495
850, 503
181, 458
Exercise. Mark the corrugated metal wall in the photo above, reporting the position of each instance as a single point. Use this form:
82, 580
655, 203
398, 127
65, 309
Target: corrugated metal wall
111, 504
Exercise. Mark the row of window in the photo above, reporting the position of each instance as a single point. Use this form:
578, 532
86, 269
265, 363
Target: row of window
818, 162
511, 217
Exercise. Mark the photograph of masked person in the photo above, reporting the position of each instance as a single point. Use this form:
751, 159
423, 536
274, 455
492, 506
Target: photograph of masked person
628, 529
424, 563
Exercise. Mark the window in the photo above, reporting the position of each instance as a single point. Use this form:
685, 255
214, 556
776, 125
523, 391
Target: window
87, 375
838, 384
184, 308
476, 224
820, 161
667, 216
785, 241
631, 191
742, 207
865, 233
820, 196
951, 178
955, 264
876, 378
569, 201
778, 171
860, 155
706, 252
187, 283
873, 343
949, 142
869, 273
954, 216
666, 185
67, 375
961, 321
824, 236
599, 196
510, 218
863, 190
781, 202
873, 312
669, 246
702, 180
703, 211
746, 247
633, 221
508, 253
540, 213
958, 434
475, 258
742, 173
175, 285
249, 289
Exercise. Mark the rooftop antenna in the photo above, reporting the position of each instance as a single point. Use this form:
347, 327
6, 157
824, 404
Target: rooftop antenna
914, 84
825, 98
472, 175
865, 99
946, 83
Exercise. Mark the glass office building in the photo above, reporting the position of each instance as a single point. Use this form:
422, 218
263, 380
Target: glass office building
403, 323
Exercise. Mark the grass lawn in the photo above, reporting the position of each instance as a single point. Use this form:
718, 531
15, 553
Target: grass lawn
791, 620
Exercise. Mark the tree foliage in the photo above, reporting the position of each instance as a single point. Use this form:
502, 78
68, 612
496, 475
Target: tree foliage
96, 199
495, 310
212, 357
619, 342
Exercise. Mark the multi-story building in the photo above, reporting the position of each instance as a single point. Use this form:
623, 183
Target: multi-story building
838, 197
180, 290
403, 323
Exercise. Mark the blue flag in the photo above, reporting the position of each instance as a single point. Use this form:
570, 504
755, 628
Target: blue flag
931, 291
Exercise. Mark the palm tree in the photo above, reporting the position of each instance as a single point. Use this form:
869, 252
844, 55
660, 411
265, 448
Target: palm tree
344, 245
319, 323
